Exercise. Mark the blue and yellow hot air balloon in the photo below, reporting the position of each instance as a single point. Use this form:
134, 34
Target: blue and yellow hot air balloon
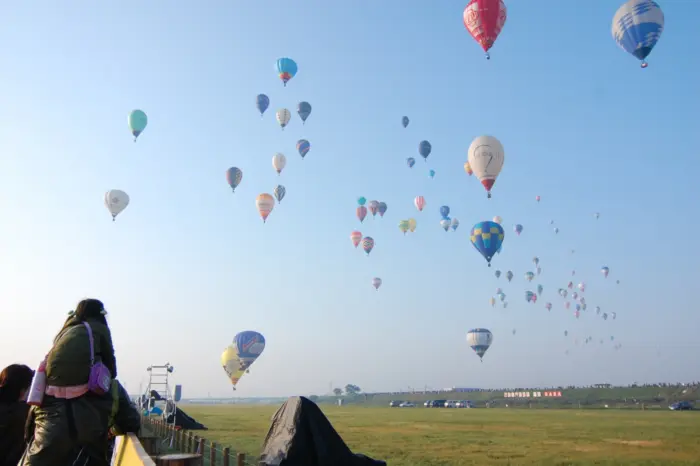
287, 69
487, 238
236, 359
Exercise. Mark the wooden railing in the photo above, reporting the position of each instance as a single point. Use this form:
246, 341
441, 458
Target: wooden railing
188, 442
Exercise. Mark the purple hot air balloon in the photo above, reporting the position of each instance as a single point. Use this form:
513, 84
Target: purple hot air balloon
367, 244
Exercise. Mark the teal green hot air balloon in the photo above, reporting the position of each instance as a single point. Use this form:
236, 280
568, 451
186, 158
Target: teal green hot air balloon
137, 122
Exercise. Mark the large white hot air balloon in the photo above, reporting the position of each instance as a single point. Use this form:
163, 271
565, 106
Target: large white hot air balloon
283, 117
479, 339
116, 201
279, 161
486, 159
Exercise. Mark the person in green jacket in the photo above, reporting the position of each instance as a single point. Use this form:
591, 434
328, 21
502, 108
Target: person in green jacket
71, 417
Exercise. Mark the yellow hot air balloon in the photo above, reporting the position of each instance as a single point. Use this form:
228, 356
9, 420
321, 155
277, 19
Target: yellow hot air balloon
468, 169
412, 224
232, 364
265, 203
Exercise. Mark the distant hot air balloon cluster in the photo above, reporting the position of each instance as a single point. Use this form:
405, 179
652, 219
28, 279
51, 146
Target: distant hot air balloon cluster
636, 28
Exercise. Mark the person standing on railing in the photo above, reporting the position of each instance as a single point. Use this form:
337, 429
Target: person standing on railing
74, 412
14, 384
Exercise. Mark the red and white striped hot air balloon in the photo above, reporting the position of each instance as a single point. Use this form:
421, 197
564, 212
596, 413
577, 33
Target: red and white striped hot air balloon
419, 202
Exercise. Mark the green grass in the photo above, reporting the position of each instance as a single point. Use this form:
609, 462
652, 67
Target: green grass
457, 437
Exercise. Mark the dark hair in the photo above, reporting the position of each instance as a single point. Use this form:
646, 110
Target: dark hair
87, 309
13, 379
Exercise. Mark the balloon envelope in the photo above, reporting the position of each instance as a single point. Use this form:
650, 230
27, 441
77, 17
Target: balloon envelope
137, 122
262, 102
486, 157
404, 121
237, 358
304, 110
234, 176
479, 339
286, 69
116, 201
487, 238
303, 146
637, 27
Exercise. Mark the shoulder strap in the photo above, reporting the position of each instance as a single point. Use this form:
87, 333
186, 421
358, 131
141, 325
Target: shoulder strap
92, 343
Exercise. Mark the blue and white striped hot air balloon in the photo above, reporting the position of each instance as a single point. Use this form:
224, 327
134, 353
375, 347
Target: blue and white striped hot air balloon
479, 339
637, 27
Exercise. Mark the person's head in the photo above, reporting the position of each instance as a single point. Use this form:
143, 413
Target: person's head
90, 309
15, 380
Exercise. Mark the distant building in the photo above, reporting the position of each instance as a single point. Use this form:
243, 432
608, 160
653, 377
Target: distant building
602, 385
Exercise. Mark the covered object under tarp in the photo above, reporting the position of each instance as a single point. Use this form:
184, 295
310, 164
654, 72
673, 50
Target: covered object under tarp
301, 435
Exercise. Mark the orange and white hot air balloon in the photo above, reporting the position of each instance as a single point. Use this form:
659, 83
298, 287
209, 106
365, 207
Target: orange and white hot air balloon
265, 203
355, 237
419, 202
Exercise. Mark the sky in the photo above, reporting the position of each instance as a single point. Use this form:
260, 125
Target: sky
189, 264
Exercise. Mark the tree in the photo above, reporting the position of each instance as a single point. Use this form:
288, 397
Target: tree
337, 391
351, 389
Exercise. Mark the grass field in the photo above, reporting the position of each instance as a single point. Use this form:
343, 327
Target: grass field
457, 437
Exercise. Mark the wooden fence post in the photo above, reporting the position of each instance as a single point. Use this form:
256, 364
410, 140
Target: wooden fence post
240, 459
212, 454
189, 442
195, 443
200, 447
227, 456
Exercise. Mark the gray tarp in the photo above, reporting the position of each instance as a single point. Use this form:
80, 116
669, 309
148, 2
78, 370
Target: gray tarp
301, 435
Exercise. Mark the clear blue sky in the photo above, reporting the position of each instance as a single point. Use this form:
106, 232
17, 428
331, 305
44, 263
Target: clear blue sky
188, 264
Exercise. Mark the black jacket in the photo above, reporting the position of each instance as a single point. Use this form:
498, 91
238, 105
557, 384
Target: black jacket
12, 419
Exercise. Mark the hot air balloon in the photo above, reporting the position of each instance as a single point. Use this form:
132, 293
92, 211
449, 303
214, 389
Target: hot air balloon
287, 69
404, 226
548, 306
361, 200
355, 237
487, 238
455, 224
582, 287
419, 201
367, 244
613, 315
373, 207
537, 198
445, 224
410, 162
566, 333
556, 230
262, 102
116, 201
567, 304
498, 219
539, 270
283, 117
605, 271
637, 27
361, 213
424, 149
445, 211
509, 275
577, 314
486, 157
381, 208
279, 193
304, 110
597, 215
303, 146
529, 276
234, 176
484, 19
536, 260
479, 339
492, 301
431, 173
376, 283
605, 316
540, 289
497, 273
412, 224
518, 229
505, 305
137, 122
468, 169
279, 161
530, 297
237, 358
404, 121
265, 203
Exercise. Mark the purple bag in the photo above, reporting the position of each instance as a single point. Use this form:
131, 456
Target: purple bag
100, 379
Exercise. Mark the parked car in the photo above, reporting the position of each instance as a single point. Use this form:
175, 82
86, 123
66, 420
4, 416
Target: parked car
438, 404
450, 404
428, 403
464, 404
681, 406
407, 404
395, 404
